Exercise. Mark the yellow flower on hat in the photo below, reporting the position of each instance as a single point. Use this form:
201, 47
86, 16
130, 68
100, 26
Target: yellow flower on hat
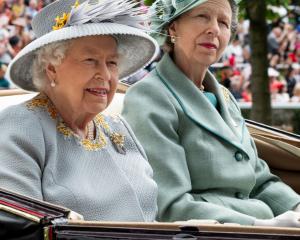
61, 21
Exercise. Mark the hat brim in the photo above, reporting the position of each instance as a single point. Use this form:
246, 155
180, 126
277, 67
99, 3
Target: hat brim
181, 11
137, 49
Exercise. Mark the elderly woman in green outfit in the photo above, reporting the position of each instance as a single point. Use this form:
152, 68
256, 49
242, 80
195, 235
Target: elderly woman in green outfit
204, 159
58, 146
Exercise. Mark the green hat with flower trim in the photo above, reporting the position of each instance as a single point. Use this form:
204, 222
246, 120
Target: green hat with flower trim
165, 11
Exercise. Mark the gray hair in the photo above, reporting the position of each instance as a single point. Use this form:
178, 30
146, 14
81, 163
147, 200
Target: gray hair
168, 46
53, 53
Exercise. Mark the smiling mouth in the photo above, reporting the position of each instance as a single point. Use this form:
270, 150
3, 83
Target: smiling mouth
97, 91
208, 45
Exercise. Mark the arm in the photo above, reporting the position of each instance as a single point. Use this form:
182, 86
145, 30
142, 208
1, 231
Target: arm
269, 188
155, 120
22, 152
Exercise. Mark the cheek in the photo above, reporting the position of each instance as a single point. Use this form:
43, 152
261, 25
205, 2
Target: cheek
224, 42
113, 87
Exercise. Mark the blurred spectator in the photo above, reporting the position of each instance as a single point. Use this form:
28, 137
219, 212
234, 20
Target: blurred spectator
235, 50
32, 9
4, 84
18, 9
275, 38
277, 87
296, 93
226, 74
246, 93
5, 56
291, 79
236, 85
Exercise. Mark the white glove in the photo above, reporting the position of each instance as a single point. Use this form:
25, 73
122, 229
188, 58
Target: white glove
287, 219
297, 208
75, 216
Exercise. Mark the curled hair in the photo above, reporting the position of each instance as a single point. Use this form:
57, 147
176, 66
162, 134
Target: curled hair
53, 54
168, 46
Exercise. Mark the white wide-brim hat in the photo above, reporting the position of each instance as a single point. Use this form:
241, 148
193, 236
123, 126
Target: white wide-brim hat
136, 47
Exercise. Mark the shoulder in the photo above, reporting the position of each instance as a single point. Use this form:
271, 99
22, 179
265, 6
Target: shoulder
147, 93
23, 121
16, 114
20, 128
149, 83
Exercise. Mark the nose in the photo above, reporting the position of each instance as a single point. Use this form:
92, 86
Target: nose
213, 28
103, 73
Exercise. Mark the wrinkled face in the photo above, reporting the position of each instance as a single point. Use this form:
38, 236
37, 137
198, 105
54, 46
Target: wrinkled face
87, 78
203, 32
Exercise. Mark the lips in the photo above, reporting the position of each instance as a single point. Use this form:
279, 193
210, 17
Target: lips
97, 91
208, 45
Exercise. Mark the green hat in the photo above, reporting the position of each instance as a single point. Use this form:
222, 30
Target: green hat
165, 11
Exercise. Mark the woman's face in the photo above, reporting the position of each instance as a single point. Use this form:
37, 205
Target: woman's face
87, 78
203, 32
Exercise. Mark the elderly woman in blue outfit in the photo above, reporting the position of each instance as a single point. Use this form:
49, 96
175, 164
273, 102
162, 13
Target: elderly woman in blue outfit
58, 147
204, 160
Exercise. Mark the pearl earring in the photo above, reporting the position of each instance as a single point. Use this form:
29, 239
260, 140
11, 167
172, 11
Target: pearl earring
173, 39
52, 84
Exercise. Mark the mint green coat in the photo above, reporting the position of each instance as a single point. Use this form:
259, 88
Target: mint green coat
205, 162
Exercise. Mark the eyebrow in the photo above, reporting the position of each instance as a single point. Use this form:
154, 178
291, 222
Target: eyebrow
208, 10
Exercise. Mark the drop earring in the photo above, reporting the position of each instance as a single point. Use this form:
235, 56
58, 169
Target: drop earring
173, 39
52, 84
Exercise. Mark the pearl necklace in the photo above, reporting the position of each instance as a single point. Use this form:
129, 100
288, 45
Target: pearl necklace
90, 131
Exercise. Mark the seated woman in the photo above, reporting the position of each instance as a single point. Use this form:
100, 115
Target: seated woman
204, 160
58, 147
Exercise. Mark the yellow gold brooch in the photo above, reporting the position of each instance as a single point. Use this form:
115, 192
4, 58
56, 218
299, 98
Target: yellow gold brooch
60, 22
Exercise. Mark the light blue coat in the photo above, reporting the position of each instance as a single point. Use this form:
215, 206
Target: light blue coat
40, 158
204, 160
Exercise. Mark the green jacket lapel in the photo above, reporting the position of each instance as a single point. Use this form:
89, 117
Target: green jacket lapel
188, 96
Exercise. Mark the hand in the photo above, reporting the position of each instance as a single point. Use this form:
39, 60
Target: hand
287, 219
75, 216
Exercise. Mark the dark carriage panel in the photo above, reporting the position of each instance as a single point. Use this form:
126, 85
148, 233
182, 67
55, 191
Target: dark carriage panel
24, 218
68, 232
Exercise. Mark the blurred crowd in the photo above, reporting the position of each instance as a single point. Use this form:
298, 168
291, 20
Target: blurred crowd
15, 30
233, 70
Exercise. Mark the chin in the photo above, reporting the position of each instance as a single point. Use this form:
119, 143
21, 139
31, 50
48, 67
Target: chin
206, 59
97, 109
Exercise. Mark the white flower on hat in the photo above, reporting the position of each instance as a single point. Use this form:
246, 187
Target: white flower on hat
122, 12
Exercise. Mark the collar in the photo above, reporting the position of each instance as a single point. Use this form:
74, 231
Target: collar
195, 104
